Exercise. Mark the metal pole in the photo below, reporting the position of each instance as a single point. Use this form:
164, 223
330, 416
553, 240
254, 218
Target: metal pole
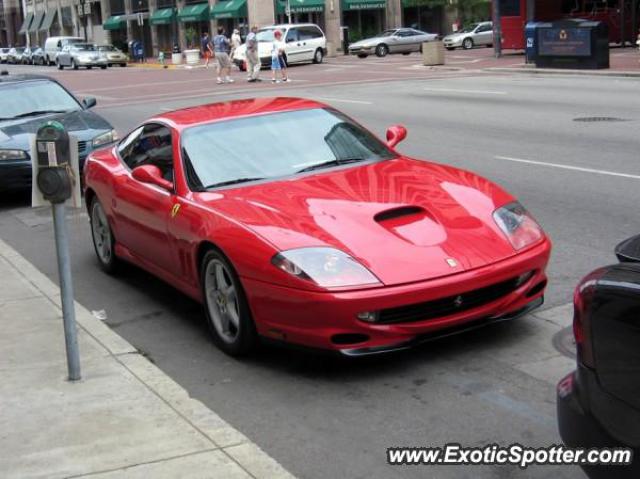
497, 29
623, 40
66, 291
634, 20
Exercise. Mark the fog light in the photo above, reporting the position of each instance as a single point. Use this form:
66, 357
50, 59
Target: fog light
368, 316
523, 278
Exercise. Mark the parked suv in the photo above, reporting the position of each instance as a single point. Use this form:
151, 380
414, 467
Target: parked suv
467, 38
304, 42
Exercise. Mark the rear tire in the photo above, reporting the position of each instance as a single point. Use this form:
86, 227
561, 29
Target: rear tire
103, 239
318, 56
226, 307
103, 67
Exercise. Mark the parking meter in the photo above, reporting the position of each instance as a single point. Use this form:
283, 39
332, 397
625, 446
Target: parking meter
54, 162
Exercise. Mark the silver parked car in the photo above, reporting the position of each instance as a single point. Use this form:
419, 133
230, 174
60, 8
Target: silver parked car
397, 40
467, 38
114, 55
15, 55
78, 55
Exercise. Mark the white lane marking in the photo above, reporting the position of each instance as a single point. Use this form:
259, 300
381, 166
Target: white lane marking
360, 102
98, 97
568, 167
455, 90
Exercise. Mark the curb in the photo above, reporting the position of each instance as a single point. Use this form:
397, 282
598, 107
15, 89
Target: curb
228, 440
556, 71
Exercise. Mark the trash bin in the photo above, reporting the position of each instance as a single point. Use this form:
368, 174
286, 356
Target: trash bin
433, 53
344, 36
575, 43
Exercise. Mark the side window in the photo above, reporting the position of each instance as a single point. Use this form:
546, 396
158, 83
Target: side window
309, 33
149, 145
59, 44
292, 35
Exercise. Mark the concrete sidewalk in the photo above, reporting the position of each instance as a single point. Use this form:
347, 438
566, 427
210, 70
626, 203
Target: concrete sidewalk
125, 418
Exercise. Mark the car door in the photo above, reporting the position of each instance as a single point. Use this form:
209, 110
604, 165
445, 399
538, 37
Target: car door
293, 46
307, 40
141, 210
63, 57
484, 34
396, 42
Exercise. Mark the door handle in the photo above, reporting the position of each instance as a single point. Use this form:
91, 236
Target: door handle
298, 44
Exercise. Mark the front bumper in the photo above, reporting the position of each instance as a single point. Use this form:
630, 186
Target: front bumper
91, 63
452, 43
362, 50
328, 320
15, 176
579, 427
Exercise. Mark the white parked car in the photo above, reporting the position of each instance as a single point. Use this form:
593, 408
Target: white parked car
304, 42
4, 52
467, 38
81, 55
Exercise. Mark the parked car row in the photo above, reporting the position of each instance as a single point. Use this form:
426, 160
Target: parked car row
72, 52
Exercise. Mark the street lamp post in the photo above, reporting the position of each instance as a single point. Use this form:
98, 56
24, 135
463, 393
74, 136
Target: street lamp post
83, 12
288, 11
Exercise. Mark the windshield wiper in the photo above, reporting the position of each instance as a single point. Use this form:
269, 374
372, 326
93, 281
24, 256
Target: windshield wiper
327, 164
232, 182
36, 113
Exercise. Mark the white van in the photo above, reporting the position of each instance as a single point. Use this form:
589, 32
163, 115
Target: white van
53, 45
304, 42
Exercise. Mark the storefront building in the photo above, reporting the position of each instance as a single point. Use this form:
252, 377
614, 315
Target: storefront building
159, 24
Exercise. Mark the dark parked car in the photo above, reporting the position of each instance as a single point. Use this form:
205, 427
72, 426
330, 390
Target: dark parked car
599, 403
26, 102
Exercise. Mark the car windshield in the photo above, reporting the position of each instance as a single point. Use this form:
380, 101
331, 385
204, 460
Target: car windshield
219, 153
265, 35
23, 98
19, 49
86, 47
386, 33
4, 50
107, 48
469, 29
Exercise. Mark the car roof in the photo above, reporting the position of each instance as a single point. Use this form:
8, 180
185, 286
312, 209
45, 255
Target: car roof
289, 25
25, 77
211, 112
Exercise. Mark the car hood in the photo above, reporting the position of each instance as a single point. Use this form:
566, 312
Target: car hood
405, 220
83, 124
368, 42
455, 36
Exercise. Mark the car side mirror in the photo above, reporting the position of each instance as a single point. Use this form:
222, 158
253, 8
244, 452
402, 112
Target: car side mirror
151, 174
89, 102
629, 250
395, 134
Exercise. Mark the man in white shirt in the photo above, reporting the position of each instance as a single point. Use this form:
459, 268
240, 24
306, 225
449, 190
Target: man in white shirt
253, 58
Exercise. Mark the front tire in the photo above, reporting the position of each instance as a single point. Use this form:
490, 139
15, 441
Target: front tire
318, 56
467, 44
406, 53
59, 65
382, 50
122, 65
226, 307
103, 239
103, 67
450, 48
74, 65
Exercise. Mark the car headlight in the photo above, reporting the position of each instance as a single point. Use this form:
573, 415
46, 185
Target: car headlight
326, 267
13, 155
518, 225
105, 138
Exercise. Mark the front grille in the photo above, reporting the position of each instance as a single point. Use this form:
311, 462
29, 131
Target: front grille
82, 146
449, 305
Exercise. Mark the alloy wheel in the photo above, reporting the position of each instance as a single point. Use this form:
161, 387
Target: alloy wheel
222, 300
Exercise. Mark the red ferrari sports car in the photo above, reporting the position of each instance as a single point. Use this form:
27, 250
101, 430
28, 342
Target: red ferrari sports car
290, 221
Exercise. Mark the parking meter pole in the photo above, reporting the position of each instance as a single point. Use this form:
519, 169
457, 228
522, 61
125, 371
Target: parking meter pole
497, 29
66, 291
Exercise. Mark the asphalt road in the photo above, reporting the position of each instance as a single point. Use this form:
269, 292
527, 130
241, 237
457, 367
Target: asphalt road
333, 418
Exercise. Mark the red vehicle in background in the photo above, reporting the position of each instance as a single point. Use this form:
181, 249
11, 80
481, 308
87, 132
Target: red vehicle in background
615, 13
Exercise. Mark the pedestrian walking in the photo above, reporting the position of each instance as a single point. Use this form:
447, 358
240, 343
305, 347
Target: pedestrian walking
253, 57
236, 41
221, 46
277, 58
207, 51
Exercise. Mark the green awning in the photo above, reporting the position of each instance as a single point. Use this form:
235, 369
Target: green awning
115, 23
363, 4
26, 24
194, 13
37, 21
229, 9
416, 3
49, 18
164, 16
300, 6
